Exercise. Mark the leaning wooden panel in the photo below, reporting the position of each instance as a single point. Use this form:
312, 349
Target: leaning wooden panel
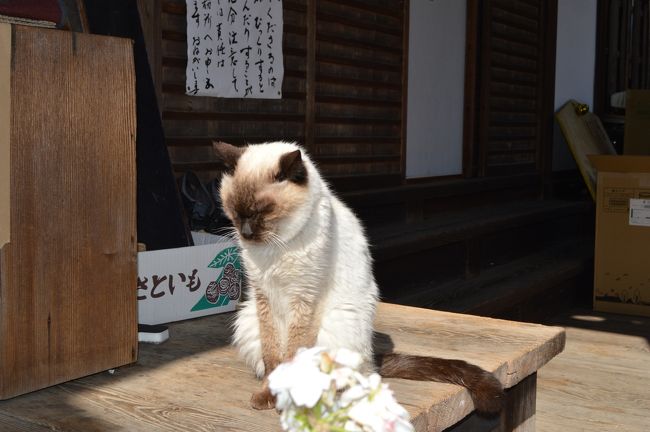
68, 304
585, 135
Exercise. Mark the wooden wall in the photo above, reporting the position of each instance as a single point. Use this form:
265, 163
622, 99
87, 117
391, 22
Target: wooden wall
342, 90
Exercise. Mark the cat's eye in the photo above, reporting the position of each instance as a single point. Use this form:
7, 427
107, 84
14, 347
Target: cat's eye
280, 177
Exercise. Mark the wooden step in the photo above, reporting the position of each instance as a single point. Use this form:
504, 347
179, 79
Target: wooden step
441, 188
394, 240
376, 205
513, 286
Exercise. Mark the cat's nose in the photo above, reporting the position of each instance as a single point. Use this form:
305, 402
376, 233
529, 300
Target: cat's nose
246, 230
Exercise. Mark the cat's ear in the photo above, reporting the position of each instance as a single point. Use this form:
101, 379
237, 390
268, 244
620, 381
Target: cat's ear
292, 168
227, 154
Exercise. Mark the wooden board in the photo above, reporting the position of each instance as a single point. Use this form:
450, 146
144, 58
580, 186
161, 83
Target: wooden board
5, 110
585, 136
600, 382
196, 381
68, 275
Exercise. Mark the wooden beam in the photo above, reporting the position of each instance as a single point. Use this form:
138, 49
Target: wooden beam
546, 115
310, 76
5, 118
405, 76
471, 84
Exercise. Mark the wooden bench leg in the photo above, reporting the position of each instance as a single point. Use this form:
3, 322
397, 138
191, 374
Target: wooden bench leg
518, 414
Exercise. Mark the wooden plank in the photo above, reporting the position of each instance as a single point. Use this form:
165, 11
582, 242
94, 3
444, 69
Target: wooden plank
351, 68
600, 382
344, 13
497, 295
363, 55
5, 117
486, 348
179, 386
364, 35
584, 135
471, 91
405, 75
68, 307
546, 92
385, 7
442, 189
310, 77
13, 424
527, 10
453, 227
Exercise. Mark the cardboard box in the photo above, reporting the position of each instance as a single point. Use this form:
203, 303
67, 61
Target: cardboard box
637, 123
622, 255
189, 282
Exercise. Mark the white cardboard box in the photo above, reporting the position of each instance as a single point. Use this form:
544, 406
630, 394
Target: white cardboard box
189, 282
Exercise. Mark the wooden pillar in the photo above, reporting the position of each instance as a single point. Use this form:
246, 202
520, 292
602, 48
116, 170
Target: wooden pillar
310, 85
518, 413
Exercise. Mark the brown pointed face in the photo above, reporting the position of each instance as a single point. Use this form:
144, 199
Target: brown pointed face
261, 189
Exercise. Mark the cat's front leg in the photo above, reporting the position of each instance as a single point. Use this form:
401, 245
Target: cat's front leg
263, 399
271, 354
303, 331
303, 328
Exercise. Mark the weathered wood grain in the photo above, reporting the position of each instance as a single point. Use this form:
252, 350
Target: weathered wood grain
196, 382
5, 110
67, 304
601, 382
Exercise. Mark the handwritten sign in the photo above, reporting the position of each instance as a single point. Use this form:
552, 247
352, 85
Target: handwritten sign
234, 48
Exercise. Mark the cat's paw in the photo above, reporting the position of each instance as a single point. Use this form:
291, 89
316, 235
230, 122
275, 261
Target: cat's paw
263, 400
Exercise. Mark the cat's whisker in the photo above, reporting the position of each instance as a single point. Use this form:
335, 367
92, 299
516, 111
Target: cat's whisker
225, 230
272, 240
277, 241
229, 232
281, 242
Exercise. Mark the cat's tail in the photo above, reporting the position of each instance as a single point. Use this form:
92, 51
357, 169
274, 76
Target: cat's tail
486, 391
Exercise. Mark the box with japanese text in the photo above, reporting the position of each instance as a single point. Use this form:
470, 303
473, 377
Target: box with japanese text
188, 282
622, 258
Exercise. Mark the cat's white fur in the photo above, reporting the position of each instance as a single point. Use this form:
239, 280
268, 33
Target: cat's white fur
323, 256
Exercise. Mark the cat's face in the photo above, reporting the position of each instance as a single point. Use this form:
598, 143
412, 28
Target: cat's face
263, 188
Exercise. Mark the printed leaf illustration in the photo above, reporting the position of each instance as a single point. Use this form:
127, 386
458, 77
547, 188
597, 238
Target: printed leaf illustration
228, 255
227, 286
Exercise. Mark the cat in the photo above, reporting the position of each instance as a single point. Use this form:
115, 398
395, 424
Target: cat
309, 273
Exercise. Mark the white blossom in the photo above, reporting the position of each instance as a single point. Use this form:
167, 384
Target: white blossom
349, 358
323, 390
301, 378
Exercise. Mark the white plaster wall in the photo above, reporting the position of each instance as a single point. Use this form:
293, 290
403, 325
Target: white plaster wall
436, 78
574, 67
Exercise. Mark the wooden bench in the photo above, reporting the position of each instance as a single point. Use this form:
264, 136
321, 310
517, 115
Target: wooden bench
196, 382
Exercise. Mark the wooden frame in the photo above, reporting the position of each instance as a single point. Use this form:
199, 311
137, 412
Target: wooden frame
478, 92
545, 154
620, 55
470, 162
